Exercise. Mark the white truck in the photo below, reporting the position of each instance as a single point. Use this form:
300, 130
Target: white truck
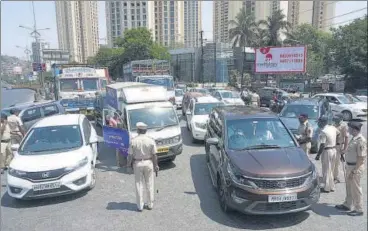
140, 102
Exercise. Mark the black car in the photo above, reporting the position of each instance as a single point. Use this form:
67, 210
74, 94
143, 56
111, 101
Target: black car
256, 164
315, 108
266, 94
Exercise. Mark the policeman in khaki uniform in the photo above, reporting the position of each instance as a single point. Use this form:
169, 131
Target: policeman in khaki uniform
255, 99
6, 152
355, 157
305, 132
142, 157
328, 136
341, 145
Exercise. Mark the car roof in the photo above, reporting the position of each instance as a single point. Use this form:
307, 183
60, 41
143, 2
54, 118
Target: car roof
243, 112
59, 120
194, 94
328, 94
22, 106
306, 101
206, 99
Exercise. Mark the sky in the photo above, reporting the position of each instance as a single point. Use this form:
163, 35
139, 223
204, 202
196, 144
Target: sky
15, 13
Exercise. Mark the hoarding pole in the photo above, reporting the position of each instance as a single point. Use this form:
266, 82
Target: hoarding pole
202, 76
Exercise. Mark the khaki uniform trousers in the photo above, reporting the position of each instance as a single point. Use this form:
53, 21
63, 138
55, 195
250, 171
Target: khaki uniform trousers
328, 161
6, 154
121, 160
143, 174
337, 162
306, 147
354, 189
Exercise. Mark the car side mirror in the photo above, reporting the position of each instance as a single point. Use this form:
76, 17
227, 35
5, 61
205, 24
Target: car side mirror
212, 141
188, 112
14, 147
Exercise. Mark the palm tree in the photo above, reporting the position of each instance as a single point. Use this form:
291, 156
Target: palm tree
242, 34
274, 25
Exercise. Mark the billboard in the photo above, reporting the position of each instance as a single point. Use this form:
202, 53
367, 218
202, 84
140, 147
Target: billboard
271, 60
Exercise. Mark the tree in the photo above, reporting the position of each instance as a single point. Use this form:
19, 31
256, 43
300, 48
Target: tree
243, 34
159, 52
274, 25
233, 80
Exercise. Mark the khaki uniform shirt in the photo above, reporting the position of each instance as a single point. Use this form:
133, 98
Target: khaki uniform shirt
343, 129
255, 97
5, 136
356, 147
328, 136
142, 147
14, 123
305, 130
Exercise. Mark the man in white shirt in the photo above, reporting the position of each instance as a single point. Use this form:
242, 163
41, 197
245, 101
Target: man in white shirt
16, 126
6, 153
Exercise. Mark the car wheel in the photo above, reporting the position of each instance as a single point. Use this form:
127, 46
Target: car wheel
221, 191
347, 116
93, 179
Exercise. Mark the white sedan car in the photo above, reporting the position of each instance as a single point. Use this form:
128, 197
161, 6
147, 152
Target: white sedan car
228, 97
56, 157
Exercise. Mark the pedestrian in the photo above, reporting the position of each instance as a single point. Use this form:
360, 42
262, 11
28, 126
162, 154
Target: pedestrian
355, 156
341, 145
6, 152
305, 132
328, 136
255, 98
16, 126
142, 157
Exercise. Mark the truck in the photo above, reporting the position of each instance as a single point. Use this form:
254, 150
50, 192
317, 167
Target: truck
135, 102
77, 87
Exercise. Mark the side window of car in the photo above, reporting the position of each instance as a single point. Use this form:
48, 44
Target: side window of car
86, 125
31, 114
50, 110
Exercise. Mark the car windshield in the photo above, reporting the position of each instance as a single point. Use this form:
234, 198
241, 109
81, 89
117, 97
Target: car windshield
344, 99
256, 133
353, 98
179, 92
155, 117
89, 84
204, 108
68, 85
164, 82
53, 138
230, 95
293, 111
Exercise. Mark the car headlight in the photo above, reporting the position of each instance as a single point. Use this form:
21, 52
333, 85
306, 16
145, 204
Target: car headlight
16, 173
200, 125
237, 178
79, 165
176, 139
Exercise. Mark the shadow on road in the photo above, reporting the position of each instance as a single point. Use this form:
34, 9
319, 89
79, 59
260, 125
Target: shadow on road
211, 208
187, 138
326, 210
9, 202
121, 206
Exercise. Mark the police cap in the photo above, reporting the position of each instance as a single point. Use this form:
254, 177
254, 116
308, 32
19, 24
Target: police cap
355, 125
304, 115
141, 125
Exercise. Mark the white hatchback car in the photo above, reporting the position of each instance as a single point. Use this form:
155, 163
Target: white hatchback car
228, 97
57, 156
197, 115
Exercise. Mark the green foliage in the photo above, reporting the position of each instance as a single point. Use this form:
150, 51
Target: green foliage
159, 52
274, 25
243, 29
233, 80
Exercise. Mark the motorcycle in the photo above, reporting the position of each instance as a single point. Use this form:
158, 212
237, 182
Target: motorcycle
277, 105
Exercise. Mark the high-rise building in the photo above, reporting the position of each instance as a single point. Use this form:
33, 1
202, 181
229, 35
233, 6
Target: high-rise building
192, 22
77, 25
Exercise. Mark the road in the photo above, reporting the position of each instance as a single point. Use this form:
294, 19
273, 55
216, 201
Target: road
185, 200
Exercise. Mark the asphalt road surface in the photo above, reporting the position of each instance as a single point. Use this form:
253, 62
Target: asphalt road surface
185, 200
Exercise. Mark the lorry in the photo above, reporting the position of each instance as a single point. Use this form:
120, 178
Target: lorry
77, 88
135, 102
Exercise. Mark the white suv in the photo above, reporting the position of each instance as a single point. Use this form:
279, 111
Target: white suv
197, 115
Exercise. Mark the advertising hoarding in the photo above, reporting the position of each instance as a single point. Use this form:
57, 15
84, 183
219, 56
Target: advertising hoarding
271, 60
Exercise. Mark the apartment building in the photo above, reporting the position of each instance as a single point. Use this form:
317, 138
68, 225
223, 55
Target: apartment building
77, 25
192, 23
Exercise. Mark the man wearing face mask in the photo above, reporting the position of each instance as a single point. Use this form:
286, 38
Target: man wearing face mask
355, 157
305, 132
341, 145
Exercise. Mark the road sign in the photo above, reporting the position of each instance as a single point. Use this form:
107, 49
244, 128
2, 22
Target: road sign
39, 67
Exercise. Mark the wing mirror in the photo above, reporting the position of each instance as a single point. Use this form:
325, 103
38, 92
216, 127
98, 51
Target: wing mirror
212, 141
14, 147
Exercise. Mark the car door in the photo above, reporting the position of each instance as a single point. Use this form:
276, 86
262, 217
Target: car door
334, 104
89, 136
30, 117
214, 149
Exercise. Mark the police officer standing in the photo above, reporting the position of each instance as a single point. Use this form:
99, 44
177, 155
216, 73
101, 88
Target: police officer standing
341, 145
6, 152
16, 126
142, 157
355, 157
328, 136
305, 132
256, 100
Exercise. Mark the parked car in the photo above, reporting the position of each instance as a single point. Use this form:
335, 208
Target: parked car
32, 112
342, 104
57, 156
197, 115
314, 108
256, 164
228, 97
179, 94
186, 100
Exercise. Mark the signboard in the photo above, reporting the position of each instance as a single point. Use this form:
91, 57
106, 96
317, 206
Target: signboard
55, 55
39, 67
72, 70
270, 60
116, 138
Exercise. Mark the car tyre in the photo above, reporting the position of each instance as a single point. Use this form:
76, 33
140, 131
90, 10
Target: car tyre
221, 191
93, 179
347, 115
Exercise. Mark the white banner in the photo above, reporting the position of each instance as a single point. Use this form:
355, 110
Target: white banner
271, 60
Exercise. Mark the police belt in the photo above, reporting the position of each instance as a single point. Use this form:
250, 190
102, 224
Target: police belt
338, 144
5, 141
350, 163
328, 148
142, 159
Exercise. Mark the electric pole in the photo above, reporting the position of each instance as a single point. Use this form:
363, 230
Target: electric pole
202, 73
215, 65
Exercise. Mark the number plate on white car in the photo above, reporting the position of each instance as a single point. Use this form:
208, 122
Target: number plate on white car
282, 198
39, 187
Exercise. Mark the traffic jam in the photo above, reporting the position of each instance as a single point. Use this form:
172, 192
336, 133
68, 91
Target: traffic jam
257, 155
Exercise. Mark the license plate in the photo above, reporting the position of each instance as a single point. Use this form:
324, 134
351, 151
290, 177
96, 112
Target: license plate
160, 150
282, 198
39, 187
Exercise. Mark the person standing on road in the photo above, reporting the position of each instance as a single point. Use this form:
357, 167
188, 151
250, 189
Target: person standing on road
16, 126
355, 157
256, 100
328, 136
305, 132
6, 152
341, 145
142, 157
